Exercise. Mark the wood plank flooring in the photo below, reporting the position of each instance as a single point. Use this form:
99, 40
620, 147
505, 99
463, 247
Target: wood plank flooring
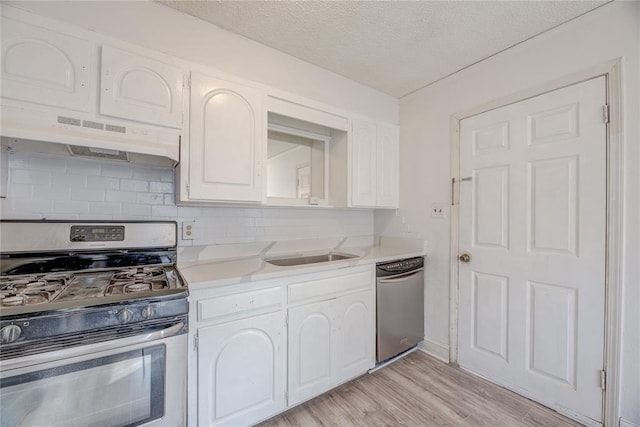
419, 390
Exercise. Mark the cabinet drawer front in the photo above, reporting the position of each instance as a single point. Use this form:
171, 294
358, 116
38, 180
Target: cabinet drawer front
336, 285
242, 305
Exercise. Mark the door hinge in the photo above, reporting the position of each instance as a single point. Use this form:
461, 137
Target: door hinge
187, 188
195, 342
286, 320
603, 380
605, 114
286, 398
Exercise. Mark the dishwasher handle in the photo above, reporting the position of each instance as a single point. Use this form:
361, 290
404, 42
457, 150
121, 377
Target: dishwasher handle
400, 277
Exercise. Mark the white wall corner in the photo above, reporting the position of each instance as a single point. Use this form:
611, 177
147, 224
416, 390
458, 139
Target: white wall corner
435, 349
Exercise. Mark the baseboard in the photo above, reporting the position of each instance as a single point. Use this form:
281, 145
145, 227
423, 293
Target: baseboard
437, 350
627, 423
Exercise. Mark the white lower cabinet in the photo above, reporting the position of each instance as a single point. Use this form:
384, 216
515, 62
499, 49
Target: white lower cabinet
241, 371
330, 342
250, 362
313, 342
356, 335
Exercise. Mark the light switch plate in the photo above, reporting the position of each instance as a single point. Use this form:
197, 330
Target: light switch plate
438, 210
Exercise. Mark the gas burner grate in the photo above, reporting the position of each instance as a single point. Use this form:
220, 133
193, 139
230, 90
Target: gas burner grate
136, 280
32, 289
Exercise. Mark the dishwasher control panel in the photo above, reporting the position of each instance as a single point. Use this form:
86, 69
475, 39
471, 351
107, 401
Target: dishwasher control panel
401, 266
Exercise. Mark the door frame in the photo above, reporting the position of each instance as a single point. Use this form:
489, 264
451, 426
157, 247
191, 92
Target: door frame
612, 71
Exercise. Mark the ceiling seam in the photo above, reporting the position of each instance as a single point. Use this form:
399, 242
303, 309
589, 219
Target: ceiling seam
499, 52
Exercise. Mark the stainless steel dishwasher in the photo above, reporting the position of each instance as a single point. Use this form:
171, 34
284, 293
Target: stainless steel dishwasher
400, 306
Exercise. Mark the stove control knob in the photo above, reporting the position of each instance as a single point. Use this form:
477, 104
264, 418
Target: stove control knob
10, 334
148, 312
125, 315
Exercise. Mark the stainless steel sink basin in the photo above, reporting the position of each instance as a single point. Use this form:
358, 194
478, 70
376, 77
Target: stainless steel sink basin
312, 259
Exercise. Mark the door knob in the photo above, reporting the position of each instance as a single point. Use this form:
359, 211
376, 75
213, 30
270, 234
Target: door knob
464, 258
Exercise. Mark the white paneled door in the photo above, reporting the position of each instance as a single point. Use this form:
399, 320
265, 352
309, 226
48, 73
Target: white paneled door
533, 222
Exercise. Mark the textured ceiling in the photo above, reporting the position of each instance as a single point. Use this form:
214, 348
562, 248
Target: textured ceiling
395, 47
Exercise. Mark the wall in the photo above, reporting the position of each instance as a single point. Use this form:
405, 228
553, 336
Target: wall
282, 171
163, 29
605, 34
58, 187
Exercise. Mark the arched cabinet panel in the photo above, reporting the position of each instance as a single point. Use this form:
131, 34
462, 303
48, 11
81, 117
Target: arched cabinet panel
44, 67
357, 334
227, 137
134, 87
312, 350
241, 370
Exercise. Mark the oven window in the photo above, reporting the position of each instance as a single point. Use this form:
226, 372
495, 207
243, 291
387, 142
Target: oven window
125, 389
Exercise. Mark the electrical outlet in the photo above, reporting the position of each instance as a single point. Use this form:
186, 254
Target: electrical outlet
188, 230
438, 210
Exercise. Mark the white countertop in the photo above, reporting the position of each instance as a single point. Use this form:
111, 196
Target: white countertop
200, 270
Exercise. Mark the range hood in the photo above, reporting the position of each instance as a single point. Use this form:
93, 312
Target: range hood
36, 131
47, 147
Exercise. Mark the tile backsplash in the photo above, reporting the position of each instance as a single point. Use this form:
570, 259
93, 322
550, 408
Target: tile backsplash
58, 187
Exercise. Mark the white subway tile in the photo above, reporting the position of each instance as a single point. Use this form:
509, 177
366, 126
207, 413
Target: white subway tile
19, 191
59, 179
169, 199
88, 195
73, 207
148, 174
168, 176
150, 198
26, 176
161, 187
164, 211
134, 185
105, 208
117, 171
131, 209
32, 206
18, 161
189, 211
99, 217
51, 193
78, 166
121, 196
103, 183
48, 163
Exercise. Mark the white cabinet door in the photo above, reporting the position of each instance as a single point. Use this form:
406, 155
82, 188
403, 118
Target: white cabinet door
357, 335
363, 164
226, 141
388, 165
45, 67
134, 87
312, 350
241, 371
374, 165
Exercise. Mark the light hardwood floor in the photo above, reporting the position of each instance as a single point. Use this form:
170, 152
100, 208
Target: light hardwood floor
419, 390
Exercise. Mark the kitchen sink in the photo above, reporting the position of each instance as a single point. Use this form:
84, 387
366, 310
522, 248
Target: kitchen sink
312, 259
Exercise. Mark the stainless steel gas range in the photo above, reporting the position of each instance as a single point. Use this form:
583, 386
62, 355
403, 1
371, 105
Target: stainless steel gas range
93, 324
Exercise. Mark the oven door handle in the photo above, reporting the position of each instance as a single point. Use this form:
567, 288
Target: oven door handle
165, 333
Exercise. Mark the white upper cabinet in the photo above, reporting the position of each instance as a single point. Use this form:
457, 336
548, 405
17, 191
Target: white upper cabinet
363, 164
44, 67
387, 166
227, 135
374, 165
138, 88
